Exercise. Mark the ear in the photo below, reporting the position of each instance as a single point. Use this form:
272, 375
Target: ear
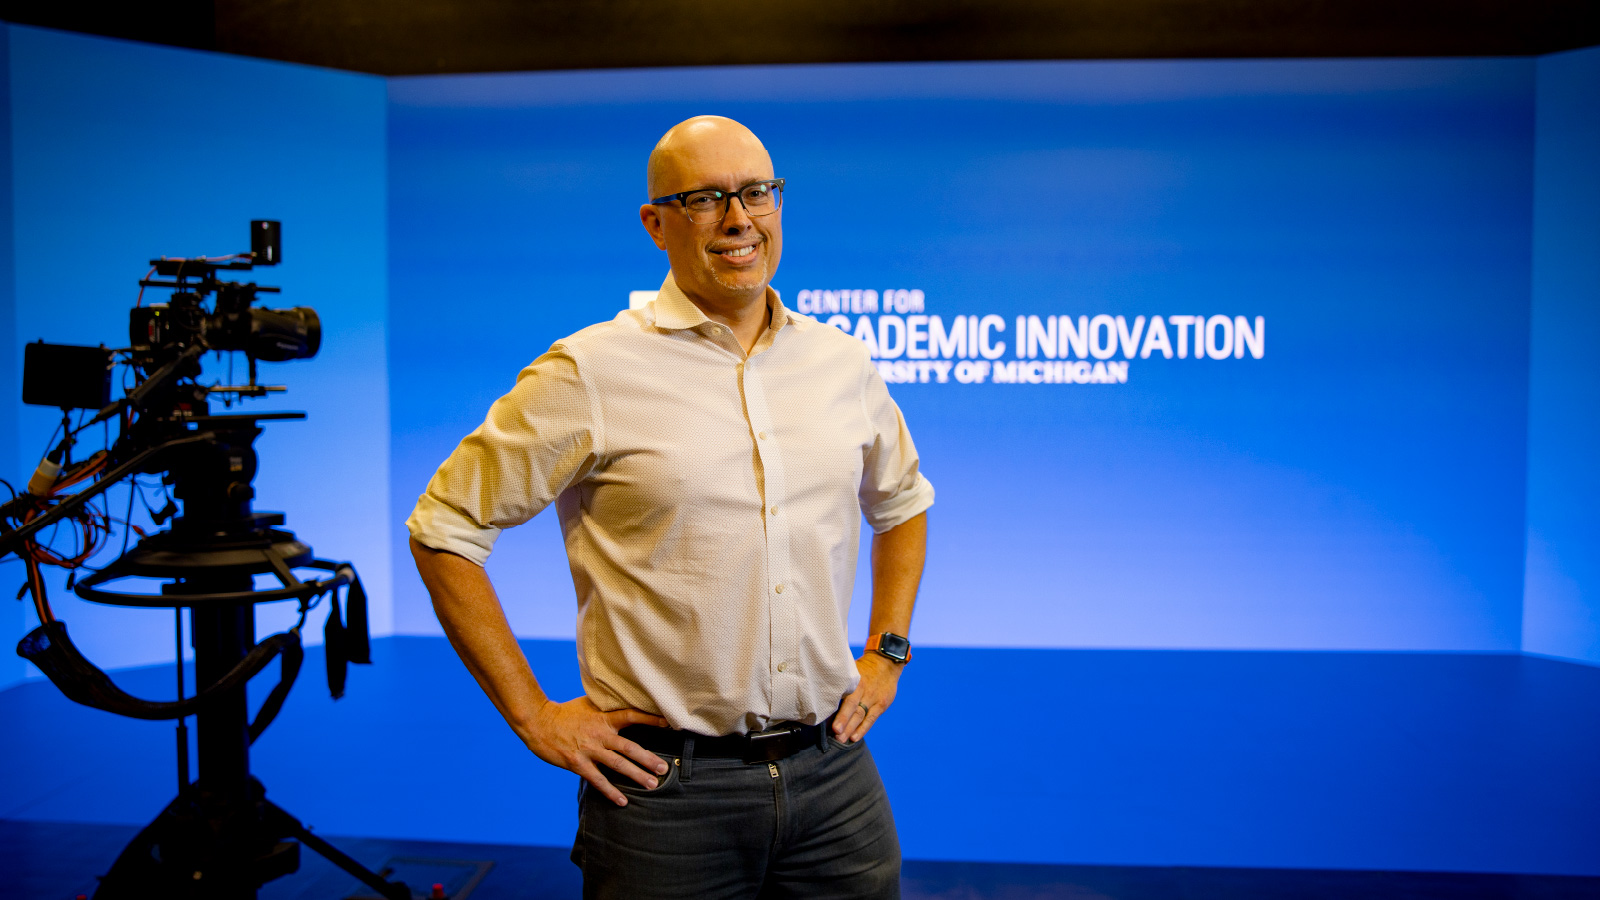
650, 217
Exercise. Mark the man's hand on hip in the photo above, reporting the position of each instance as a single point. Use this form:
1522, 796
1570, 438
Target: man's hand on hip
577, 736
880, 677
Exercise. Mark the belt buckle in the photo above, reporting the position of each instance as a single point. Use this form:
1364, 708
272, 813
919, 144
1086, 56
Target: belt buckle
768, 746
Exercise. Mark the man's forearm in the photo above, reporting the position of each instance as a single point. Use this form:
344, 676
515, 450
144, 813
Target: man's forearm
897, 559
576, 735
470, 612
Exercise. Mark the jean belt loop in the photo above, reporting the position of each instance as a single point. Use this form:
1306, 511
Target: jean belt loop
822, 734
686, 770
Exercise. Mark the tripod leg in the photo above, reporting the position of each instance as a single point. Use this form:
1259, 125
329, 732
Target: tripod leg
291, 827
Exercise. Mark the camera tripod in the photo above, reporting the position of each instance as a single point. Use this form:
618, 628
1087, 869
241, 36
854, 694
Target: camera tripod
220, 838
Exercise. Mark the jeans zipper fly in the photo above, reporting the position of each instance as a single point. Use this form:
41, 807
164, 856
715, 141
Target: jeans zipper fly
780, 805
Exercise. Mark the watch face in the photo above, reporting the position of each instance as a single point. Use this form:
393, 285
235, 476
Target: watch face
894, 646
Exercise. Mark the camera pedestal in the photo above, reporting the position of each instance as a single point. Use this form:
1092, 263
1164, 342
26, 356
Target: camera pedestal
221, 838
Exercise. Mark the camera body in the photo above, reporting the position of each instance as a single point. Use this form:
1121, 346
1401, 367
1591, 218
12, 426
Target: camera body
175, 332
161, 331
212, 474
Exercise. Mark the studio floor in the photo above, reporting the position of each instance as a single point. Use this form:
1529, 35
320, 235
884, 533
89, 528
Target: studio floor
57, 861
1126, 775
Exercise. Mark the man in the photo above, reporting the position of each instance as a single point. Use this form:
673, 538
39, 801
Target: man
710, 458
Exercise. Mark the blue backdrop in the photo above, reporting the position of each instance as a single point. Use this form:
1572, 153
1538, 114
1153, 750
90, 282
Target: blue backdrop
1561, 611
1384, 448
1359, 485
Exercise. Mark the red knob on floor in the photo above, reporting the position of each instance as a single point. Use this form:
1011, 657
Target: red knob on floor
438, 892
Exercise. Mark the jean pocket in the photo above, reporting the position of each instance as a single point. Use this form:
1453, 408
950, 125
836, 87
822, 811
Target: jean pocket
629, 786
841, 745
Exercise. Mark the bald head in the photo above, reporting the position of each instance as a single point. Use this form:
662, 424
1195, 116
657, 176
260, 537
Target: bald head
723, 264
701, 147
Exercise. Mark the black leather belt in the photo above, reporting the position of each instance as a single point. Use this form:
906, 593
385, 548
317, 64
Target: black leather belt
771, 745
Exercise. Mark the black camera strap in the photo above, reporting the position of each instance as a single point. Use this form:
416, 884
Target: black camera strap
289, 660
345, 637
358, 642
49, 648
335, 637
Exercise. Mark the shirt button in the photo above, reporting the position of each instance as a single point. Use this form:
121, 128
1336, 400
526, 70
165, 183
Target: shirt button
773, 510
779, 588
783, 667
762, 435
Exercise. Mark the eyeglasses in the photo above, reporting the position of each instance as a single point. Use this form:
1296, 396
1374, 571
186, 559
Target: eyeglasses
763, 198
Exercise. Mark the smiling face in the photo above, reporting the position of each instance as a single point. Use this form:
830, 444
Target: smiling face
724, 265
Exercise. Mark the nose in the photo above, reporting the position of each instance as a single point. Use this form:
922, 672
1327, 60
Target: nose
737, 218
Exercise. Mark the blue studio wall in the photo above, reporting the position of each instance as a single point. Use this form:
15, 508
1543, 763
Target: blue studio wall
1561, 611
11, 617
1344, 473
1358, 486
123, 152
1266, 606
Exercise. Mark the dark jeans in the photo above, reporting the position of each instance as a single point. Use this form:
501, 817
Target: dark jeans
814, 825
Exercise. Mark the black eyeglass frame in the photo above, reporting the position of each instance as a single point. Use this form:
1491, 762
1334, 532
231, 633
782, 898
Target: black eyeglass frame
726, 197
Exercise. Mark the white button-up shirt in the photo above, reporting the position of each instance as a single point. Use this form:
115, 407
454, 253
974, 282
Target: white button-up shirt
711, 505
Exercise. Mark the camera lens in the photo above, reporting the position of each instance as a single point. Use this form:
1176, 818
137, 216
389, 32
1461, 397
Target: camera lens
277, 335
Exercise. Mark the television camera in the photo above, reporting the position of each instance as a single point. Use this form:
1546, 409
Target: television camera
221, 837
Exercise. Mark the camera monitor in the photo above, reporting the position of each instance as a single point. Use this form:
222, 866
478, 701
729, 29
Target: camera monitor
66, 376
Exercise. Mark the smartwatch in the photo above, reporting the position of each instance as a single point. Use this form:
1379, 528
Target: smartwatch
891, 646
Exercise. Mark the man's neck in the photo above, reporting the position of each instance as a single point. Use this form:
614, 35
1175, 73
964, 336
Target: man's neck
745, 319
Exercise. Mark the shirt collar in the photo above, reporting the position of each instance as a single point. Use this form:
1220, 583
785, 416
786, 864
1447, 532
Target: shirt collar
674, 310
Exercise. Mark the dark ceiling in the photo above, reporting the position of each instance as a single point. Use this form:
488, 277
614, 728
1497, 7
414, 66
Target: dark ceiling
404, 37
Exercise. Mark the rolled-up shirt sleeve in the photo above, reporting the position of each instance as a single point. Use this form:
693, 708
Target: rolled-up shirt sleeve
535, 442
892, 489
